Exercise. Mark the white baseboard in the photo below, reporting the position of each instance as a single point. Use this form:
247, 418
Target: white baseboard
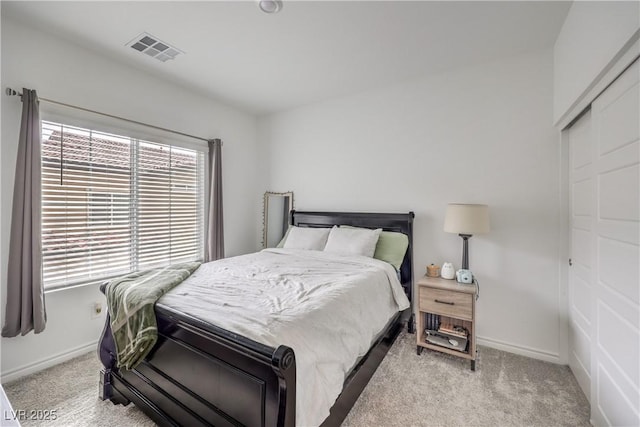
47, 362
519, 349
34, 367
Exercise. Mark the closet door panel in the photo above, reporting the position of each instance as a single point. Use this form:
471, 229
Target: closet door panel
580, 355
582, 198
618, 112
619, 199
582, 186
580, 140
582, 248
609, 395
617, 263
625, 357
615, 336
582, 301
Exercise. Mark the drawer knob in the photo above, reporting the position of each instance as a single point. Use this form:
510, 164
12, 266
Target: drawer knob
444, 302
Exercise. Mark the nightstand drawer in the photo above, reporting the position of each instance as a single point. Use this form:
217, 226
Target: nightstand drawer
447, 303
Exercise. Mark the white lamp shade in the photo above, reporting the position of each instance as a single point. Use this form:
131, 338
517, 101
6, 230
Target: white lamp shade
466, 219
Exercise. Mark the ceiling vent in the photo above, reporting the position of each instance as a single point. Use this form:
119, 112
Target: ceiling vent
152, 46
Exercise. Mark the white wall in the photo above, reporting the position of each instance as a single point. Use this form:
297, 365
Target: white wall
483, 134
593, 33
64, 72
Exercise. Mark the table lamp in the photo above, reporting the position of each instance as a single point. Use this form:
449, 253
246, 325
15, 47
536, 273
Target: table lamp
466, 220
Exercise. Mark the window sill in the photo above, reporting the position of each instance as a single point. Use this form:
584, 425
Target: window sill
54, 289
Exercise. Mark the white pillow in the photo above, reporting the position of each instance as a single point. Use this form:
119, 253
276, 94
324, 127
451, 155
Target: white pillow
353, 241
306, 238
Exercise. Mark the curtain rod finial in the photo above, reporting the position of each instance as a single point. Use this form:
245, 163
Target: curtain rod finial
11, 92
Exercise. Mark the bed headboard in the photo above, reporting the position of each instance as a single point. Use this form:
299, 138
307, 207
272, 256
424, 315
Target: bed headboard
398, 222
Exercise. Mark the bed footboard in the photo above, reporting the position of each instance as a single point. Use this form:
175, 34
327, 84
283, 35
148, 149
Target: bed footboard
198, 374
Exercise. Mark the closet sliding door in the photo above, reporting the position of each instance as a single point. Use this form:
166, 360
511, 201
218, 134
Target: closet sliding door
615, 367
582, 188
604, 284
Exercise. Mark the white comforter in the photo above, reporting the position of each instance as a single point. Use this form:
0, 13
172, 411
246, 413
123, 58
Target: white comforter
328, 308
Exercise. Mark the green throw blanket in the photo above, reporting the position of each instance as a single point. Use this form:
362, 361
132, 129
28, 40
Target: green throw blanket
131, 301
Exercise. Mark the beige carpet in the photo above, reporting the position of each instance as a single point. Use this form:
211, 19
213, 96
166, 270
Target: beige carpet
406, 390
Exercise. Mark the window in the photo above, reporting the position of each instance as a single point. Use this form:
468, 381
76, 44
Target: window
113, 204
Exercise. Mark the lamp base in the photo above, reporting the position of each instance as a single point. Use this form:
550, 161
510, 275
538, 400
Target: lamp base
465, 250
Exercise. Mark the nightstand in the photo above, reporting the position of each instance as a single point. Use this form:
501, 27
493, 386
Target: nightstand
449, 306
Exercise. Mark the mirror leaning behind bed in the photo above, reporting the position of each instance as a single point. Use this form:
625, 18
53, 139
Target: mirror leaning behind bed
275, 219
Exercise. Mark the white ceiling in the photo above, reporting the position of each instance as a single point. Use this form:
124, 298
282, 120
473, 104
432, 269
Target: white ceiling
310, 51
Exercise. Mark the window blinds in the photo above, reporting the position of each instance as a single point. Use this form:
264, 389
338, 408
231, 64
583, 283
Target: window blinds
113, 205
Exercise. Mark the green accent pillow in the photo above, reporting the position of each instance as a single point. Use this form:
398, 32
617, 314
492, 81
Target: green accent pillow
391, 247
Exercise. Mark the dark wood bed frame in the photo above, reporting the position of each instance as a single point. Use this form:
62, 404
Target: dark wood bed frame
199, 374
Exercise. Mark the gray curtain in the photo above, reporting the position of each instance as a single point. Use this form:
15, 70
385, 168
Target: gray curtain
214, 241
25, 310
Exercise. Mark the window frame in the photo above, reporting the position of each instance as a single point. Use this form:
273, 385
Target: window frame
138, 134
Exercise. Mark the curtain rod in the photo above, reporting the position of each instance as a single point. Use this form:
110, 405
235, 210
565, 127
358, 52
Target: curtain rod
11, 92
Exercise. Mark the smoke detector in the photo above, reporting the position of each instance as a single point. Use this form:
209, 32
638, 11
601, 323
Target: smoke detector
152, 46
270, 6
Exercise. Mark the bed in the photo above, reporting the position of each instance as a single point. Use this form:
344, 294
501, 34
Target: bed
201, 373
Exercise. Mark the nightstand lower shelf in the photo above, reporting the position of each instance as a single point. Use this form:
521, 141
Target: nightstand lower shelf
422, 344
